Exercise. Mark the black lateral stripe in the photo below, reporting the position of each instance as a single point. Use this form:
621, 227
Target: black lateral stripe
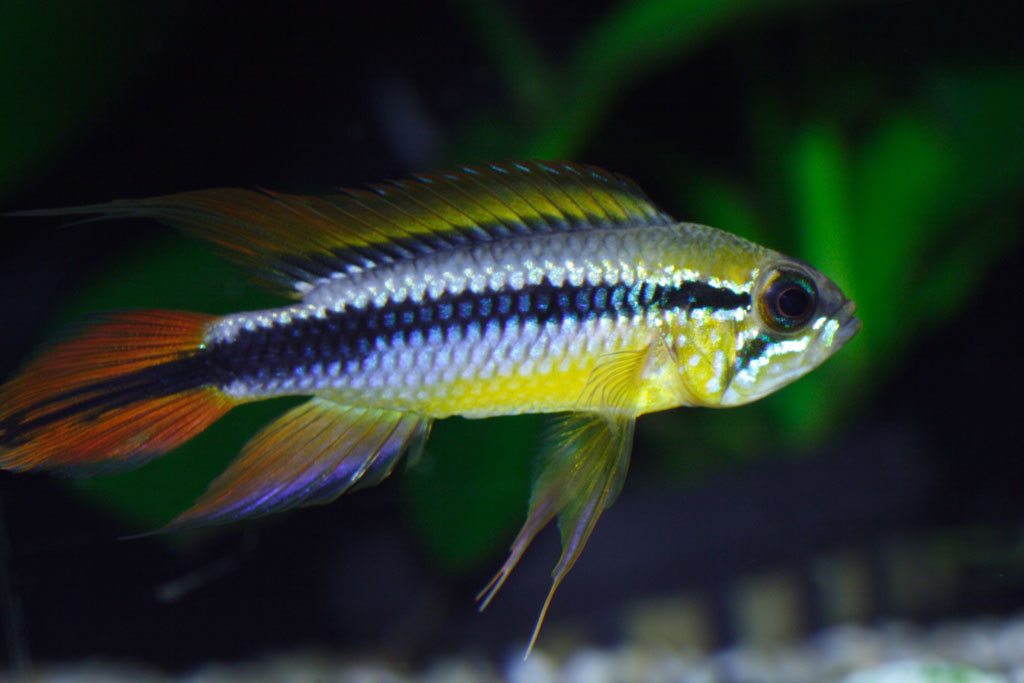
692, 294
277, 352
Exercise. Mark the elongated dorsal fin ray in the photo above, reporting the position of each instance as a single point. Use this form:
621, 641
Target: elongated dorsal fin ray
289, 242
308, 456
582, 469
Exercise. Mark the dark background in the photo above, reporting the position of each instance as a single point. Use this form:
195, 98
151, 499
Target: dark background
918, 446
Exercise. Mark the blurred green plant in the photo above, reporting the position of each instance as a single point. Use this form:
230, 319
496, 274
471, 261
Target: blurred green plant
905, 206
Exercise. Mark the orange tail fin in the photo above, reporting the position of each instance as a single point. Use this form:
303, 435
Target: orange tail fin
120, 388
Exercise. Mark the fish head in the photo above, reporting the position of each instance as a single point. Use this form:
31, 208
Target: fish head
796, 320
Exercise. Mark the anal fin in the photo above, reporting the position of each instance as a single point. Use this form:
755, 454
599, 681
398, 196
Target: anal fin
310, 455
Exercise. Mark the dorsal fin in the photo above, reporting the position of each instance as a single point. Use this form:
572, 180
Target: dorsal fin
291, 241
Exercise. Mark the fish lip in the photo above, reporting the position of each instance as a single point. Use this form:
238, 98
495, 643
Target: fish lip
848, 324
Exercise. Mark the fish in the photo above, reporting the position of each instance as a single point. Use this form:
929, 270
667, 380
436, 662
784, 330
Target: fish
499, 289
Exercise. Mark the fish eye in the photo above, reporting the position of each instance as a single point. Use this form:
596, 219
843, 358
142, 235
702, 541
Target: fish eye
789, 301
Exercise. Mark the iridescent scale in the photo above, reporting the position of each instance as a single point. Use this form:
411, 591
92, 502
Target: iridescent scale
501, 327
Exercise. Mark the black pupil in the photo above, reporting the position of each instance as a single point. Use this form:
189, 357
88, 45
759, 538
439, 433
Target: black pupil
794, 302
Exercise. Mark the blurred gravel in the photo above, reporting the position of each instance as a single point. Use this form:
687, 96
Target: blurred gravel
977, 651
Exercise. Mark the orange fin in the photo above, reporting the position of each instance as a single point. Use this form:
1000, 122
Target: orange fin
289, 242
118, 389
310, 455
581, 474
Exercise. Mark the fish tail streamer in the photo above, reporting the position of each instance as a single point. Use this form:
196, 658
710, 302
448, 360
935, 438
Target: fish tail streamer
110, 393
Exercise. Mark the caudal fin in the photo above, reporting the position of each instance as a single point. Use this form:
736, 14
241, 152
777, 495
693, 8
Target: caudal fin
118, 389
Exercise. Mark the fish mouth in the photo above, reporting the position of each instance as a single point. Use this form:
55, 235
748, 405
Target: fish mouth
848, 325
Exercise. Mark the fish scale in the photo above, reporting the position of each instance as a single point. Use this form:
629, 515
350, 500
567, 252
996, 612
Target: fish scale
547, 287
536, 281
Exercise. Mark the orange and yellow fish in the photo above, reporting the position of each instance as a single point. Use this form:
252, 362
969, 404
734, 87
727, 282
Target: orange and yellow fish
540, 287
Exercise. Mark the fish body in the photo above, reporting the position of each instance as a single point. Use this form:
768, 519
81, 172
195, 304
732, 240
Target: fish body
513, 327
507, 289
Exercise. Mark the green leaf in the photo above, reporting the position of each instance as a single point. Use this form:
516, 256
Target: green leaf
822, 188
904, 178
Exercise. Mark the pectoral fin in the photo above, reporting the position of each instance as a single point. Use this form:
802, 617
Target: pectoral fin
581, 473
613, 382
310, 455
